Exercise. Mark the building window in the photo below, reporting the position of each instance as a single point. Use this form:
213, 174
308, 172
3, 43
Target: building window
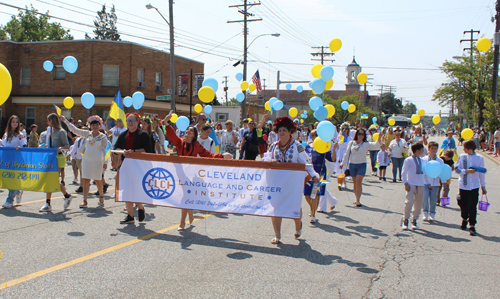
140, 75
30, 116
25, 75
60, 73
158, 79
110, 75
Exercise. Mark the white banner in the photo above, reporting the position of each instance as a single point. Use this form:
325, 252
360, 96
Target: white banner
214, 188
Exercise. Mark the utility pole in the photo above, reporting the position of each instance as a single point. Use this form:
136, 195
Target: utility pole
322, 54
245, 20
471, 40
172, 55
495, 59
225, 89
264, 89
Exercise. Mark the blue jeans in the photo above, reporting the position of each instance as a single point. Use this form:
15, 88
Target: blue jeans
12, 194
430, 199
397, 163
373, 159
357, 169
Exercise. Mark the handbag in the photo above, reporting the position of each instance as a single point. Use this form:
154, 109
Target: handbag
347, 172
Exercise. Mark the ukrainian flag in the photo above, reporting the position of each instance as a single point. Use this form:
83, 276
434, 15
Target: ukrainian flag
214, 137
57, 109
117, 111
107, 152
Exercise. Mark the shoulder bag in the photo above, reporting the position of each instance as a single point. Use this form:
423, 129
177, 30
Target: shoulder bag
347, 172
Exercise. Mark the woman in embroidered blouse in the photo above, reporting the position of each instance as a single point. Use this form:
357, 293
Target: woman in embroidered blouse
229, 139
288, 150
93, 156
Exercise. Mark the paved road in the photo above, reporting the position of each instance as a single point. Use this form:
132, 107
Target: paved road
350, 253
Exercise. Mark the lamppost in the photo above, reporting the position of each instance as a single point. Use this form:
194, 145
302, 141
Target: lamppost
172, 55
245, 52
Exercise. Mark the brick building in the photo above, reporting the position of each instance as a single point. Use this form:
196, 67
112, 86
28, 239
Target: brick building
103, 67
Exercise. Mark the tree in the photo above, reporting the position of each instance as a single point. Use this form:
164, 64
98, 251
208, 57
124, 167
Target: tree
105, 25
491, 115
389, 104
31, 26
470, 81
409, 109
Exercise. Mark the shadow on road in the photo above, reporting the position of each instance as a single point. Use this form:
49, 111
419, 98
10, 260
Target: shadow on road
437, 236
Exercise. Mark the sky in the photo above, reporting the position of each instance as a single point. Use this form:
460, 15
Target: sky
400, 43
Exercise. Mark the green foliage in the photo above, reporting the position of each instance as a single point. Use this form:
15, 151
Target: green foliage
409, 109
31, 26
491, 116
389, 104
105, 25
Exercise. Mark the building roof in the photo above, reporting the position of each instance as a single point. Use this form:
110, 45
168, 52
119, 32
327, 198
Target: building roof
353, 61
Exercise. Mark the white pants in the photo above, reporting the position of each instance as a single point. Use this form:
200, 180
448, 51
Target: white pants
328, 197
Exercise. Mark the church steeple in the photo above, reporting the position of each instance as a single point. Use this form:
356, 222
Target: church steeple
353, 69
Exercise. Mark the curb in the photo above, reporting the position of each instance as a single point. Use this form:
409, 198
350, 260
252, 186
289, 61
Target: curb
489, 157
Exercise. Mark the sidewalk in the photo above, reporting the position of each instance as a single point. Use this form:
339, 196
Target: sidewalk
489, 155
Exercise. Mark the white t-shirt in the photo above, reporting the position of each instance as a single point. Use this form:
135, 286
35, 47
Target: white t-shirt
208, 144
116, 133
497, 136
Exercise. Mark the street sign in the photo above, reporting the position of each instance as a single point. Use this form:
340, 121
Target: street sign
164, 98
169, 91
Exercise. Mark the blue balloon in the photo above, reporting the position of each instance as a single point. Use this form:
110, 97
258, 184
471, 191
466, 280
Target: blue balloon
344, 105
433, 169
272, 101
304, 144
305, 112
326, 130
127, 102
288, 86
239, 76
165, 143
207, 109
321, 113
182, 123
296, 120
70, 64
240, 97
445, 172
48, 66
318, 85
310, 83
278, 105
300, 88
137, 100
326, 73
374, 120
315, 102
269, 122
212, 83
88, 100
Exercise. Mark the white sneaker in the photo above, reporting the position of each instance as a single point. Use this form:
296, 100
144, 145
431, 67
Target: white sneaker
67, 202
46, 208
414, 225
404, 225
75, 181
19, 197
432, 217
7, 205
426, 216
313, 220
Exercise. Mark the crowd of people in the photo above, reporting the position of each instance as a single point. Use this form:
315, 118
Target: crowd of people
284, 140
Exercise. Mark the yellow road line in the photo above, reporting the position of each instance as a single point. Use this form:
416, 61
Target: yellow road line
93, 255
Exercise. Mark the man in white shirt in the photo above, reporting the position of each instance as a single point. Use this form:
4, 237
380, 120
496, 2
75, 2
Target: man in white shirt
496, 137
202, 119
415, 182
205, 140
431, 192
242, 133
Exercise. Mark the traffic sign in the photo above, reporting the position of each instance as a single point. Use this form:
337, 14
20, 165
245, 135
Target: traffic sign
164, 98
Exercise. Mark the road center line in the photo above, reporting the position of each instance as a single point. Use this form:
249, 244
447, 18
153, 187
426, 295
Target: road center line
93, 255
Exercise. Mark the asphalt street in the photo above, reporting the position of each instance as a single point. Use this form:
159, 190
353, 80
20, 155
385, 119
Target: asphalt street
350, 253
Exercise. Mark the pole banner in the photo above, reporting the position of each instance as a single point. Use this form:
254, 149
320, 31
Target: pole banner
30, 169
214, 185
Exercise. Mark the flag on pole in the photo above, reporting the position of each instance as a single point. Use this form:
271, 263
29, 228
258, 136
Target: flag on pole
107, 152
256, 81
364, 115
117, 111
57, 109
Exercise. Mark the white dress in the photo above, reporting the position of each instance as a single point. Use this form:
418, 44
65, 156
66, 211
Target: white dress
93, 157
340, 155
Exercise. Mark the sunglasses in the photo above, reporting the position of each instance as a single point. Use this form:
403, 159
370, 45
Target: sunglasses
131, 121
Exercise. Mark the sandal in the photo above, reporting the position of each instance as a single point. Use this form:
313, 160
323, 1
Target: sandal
299, 232
84, 204
275, 241
101, 201
357, 204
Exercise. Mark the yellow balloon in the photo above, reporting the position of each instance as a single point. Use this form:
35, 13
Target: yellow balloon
415, 118
362, 78
6, 83
328, 84
244, 85
331, 110
392, 122
252, 87
320, 146
351, 108
266, 105
375, 136
316, 70
249, 119
174, 118
421, 112
483, 44
293, 112
467, 134
206, 94
198, 108
335, 44
436, 119
301, 121
68, 102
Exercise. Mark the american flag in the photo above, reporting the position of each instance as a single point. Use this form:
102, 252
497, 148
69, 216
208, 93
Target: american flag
256, 81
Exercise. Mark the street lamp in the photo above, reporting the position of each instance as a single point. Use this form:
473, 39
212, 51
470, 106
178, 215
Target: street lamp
172, 55
245, 52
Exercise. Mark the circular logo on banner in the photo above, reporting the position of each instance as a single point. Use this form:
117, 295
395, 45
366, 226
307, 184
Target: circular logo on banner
158, 183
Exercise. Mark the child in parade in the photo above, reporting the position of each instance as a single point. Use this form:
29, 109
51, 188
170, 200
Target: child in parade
205, 139
415, 182
469, 183
384, 161
447, 159
431, 192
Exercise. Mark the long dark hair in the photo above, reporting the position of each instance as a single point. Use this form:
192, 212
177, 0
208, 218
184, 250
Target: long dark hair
358, 133
9, 131
195, 138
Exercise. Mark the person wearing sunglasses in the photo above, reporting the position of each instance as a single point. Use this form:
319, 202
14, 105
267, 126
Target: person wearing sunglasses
250, 141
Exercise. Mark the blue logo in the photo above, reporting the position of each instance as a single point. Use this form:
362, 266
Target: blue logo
158, 183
